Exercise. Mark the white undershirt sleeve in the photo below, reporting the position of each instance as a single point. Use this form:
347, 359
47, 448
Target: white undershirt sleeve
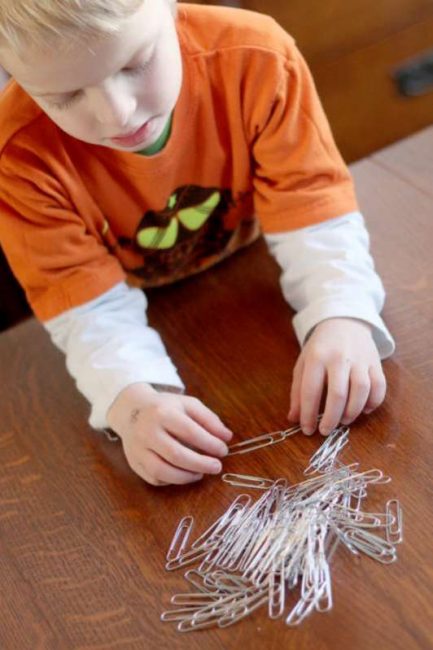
109, 345
328, 272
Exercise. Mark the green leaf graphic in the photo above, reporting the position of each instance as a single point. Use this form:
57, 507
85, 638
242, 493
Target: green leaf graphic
193, 218
159, 237
172, 201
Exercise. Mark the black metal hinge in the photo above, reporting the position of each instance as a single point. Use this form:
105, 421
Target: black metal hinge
415, 77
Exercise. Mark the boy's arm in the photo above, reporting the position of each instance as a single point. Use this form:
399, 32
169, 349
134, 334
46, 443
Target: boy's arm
109, 346
329, 278
115, 357
328, 272
300, 182
61, 260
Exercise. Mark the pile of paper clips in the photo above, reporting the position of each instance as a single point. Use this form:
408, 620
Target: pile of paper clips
257, 552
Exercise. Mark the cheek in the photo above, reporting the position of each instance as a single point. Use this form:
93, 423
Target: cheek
160, 87
153, 93
75, 122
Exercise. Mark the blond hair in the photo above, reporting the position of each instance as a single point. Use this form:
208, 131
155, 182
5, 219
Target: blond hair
40, 22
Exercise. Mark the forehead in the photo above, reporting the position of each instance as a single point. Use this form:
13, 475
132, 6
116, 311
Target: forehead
84, 63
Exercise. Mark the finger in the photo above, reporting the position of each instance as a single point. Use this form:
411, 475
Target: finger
207, 418
377, 389
295, 392
171, 450
312, 385
358, 394
156, 471
186, 430
336, 396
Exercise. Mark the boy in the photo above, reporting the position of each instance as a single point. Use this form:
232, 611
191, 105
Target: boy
143, 143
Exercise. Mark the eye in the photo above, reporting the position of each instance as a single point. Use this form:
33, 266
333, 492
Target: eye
66, 102
135, 70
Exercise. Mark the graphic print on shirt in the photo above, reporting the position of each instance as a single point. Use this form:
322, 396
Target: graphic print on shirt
194, 227
192, 218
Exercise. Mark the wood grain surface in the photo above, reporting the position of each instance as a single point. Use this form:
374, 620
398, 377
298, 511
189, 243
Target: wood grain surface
83, 539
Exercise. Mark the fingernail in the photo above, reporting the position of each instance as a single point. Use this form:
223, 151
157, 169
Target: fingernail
224, 450
368, 411
325, 429
216, 467
308, 431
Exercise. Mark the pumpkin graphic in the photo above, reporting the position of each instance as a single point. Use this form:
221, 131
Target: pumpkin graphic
190, 229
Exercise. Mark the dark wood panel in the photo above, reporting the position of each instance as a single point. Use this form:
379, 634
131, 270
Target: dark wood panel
328, 30
361, 98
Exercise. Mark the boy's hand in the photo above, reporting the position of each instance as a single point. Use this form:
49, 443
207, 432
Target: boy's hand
341, 356
168, 438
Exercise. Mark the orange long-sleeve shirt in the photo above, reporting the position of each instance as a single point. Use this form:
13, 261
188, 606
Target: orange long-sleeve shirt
250, 147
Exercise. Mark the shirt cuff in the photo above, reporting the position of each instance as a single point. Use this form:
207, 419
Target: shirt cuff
305, 321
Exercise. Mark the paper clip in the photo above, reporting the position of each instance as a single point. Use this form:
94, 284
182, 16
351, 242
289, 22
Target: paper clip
261, 441
394, 530
325, 457
180, 539
246, 481
284, 539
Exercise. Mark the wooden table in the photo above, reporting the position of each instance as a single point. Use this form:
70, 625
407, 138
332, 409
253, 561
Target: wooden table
83, 539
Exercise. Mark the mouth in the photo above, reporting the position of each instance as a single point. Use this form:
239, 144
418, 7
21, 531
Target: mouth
133, 138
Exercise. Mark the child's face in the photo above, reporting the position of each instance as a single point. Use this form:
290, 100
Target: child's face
111, 88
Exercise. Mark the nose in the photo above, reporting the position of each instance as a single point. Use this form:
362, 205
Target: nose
113, 106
